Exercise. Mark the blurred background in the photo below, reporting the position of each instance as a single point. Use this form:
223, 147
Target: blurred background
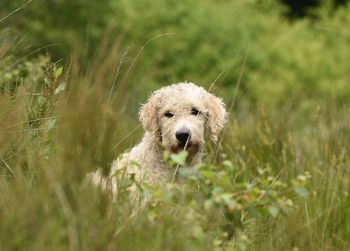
296, 50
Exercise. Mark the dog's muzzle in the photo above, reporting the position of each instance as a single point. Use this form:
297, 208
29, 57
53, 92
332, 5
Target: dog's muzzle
183, 136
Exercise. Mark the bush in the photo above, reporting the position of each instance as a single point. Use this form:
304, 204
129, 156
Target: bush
304, 62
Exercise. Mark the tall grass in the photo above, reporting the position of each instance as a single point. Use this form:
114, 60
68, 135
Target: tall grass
57, 127
58, 124
320, 148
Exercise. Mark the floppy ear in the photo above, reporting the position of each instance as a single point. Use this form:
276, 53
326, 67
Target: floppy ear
216, 115
148, 115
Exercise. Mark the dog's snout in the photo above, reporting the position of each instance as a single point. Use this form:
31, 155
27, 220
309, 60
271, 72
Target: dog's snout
183, 135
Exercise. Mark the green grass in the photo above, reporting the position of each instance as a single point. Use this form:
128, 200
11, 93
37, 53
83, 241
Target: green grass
50, 140
278, 179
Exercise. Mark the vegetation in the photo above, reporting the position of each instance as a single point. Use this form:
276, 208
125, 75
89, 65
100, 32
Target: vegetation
72, 75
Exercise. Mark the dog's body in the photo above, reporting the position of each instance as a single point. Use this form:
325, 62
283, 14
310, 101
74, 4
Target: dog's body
175, 118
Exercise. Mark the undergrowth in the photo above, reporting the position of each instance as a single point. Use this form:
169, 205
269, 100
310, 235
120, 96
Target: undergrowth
268, 185
277, 180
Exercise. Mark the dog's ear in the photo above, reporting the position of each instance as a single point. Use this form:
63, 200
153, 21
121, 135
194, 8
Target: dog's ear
148, 114
216, 116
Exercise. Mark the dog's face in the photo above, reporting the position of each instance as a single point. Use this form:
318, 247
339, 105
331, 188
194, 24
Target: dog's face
182, 122
179, 115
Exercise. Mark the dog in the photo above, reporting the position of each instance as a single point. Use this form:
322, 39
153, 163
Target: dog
175, 118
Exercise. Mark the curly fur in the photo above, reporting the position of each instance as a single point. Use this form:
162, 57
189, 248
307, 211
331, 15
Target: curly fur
193, 109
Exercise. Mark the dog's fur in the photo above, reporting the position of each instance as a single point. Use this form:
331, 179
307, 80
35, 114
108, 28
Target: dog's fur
168, 111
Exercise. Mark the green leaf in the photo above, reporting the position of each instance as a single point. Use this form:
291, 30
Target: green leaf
180, 158
208, 174
228, 164
273, 210
185, 172
302, 192
198, 232
58, 71
253, 212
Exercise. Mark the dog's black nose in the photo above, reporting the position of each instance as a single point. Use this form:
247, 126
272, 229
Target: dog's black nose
183, 135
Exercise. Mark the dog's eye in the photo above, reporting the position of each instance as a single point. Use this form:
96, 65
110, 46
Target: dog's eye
194, 111
168, 114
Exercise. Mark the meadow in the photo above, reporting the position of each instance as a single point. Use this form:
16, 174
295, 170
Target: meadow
72, 78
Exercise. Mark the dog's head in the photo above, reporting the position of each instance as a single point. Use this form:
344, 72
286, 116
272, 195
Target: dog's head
179, 115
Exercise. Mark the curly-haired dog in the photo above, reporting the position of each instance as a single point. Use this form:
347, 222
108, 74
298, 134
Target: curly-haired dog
175, 117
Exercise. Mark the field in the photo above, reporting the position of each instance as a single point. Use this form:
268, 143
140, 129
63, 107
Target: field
72, 78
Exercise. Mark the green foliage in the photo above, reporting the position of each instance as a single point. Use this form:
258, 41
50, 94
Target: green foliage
28, 100
304, 61
277, 180
222, 203
62, 26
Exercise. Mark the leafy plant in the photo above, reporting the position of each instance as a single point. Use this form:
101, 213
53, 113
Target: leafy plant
224, 205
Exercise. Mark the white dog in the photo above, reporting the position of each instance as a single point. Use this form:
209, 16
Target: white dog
175, 118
